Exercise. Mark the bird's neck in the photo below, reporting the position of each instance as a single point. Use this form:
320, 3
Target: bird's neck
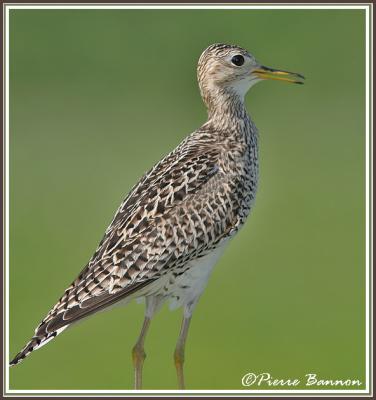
227, 113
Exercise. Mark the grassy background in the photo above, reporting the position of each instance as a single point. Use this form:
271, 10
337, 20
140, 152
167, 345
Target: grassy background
97, 97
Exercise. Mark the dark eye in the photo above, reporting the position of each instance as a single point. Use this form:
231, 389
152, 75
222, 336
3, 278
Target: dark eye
237, 60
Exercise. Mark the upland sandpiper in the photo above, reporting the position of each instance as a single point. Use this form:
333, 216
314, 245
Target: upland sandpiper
171, 229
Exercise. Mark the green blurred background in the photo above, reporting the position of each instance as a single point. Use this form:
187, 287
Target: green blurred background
97, 97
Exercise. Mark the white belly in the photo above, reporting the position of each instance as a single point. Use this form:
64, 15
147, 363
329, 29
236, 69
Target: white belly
187, 288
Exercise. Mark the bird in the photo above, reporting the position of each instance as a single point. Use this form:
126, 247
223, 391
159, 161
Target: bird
173, 226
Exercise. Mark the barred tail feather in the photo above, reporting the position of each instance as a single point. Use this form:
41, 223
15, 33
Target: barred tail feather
35, 343
55, 323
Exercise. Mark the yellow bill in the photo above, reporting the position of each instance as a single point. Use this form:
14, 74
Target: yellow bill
279, 75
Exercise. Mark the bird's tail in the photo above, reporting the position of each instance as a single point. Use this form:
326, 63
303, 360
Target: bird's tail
35, 343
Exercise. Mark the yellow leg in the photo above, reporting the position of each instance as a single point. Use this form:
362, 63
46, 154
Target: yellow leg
138, 355
179, 351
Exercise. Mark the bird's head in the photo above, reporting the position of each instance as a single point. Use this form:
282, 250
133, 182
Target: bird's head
233, 70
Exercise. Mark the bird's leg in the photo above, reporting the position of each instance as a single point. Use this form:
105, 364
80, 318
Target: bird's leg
153, 303
138, 354
179, 350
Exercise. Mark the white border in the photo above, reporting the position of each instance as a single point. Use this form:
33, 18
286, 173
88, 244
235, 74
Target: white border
368, 248
367, 177
186, 7
6, 249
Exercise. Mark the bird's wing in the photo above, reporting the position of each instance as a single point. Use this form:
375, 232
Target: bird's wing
174, 214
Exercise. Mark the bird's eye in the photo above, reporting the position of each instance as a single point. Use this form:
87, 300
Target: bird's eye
237, 60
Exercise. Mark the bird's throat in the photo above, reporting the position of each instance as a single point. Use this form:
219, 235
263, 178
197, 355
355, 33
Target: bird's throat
227, 111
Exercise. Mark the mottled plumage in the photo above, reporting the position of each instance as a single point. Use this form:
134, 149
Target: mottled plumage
171, 228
